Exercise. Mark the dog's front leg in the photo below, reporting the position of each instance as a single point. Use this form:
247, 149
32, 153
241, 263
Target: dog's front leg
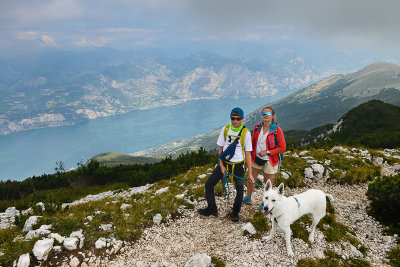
288, 233
272, 232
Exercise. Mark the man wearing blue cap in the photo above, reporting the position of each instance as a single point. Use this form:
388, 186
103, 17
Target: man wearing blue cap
233, 163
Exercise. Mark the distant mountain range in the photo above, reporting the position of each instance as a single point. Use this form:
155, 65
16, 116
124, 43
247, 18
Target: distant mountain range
316, 108
326, 101
63, 88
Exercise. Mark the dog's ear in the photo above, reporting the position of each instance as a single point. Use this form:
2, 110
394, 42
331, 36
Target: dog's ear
268, 185
281, 188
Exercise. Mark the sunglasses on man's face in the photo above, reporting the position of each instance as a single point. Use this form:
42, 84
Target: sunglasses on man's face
266, 113
236, 119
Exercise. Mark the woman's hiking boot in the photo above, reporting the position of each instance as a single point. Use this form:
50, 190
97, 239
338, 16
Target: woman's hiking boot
207, 211
246, 199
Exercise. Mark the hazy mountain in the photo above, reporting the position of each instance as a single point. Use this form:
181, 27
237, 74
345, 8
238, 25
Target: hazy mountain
63, 88
319, 104
328, 100
373, 124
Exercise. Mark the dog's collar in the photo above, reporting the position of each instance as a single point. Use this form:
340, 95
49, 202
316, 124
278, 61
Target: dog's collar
275, 218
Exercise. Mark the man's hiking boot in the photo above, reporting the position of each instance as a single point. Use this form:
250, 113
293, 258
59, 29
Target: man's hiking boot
207, 212
235, 216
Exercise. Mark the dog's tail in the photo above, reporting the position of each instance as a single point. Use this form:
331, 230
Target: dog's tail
330, 197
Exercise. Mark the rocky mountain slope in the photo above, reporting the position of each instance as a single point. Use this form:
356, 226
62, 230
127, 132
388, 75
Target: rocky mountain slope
177, 232
66, 88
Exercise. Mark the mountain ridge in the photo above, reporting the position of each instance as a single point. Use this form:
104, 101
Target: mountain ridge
63, 92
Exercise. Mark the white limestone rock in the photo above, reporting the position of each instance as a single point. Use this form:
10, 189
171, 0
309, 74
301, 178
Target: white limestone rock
302, 153
201, 176
161, 190
309, 173
100, 243
57, 249
157, 218
106, 227
355, 251
41, 205
339, 148
285, 175
43, 230
249, 228
318, 170
30, 223
42, 248
24, 260
180, 196
60, 239
71, 243
199, 260
125, 206
117, 245
7, 218
27, 211
74, 262
78, 234
378, 161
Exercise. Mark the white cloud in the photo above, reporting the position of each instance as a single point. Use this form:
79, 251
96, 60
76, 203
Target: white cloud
128, 30
252, 37
48, 41
87, 42
26, 35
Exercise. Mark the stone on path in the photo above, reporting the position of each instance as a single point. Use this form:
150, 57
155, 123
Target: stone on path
199, 260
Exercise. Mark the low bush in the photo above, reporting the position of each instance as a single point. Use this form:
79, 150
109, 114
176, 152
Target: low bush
332, 260
384, 194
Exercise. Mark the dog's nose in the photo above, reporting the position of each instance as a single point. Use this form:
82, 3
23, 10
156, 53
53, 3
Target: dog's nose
266, 208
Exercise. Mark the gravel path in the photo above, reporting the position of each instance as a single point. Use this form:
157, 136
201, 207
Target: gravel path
175, 242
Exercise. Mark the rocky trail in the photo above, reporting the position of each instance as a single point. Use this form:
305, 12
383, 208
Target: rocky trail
174, 242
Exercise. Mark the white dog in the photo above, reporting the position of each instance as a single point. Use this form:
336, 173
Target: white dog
284, 210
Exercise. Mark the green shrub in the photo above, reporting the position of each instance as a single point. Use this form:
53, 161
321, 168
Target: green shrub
394, 256
260, 222
332, 260
384, 194
216, 262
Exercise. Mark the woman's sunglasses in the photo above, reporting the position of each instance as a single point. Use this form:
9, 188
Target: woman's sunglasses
266, 113
236, 119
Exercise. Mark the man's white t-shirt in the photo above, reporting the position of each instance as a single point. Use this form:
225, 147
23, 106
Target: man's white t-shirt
262, 144
230, 137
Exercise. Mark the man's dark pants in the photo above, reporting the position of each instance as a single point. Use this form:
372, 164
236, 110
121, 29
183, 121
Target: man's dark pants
216, 176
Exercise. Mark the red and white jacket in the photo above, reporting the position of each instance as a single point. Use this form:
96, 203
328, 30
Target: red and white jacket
274, 148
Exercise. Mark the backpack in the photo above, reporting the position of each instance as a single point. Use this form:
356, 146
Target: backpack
280, 155
230, 150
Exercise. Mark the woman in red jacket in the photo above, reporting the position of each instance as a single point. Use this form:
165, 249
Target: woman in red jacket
268, 141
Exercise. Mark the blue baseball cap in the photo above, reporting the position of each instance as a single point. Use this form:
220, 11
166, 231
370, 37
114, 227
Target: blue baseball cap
237, 112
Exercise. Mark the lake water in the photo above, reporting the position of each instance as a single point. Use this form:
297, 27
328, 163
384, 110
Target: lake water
35, 152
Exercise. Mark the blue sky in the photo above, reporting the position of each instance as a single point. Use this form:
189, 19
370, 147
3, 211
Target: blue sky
348, 26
